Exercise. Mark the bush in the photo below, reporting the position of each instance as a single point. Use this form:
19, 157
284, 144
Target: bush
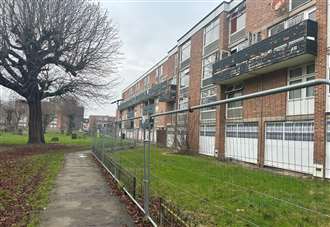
74, 136
54, 140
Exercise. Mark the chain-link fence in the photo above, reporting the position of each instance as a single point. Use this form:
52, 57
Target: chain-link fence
255, 159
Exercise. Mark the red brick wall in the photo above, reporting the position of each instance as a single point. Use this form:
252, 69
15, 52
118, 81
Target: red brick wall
221, 110
268, 106
224, 31
320, 91
169, 67
260, 14
194, 89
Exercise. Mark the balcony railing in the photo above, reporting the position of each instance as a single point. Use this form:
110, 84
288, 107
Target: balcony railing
130, 114
276, 52
165, 91
149, 109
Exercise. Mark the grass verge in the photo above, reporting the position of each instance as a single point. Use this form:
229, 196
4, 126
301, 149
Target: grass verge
26, 178
226, 194
14, 139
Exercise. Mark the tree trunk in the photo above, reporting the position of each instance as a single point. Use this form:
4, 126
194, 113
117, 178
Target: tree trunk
36, 135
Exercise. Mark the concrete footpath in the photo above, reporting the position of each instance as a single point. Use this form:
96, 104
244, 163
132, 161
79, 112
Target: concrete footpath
81, 197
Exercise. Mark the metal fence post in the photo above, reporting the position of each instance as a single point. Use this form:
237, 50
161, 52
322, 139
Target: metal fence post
102, 138
145, 168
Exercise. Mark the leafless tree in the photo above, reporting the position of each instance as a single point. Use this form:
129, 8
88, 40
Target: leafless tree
48, 110
51, 48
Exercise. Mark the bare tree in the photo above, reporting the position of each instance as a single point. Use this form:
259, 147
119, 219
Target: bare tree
51, 48
48, 114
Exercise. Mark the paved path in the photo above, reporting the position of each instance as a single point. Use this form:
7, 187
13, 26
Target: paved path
82, 198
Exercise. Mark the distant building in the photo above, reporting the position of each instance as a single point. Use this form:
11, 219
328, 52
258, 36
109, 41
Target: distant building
102, 123
85, 125
57, 115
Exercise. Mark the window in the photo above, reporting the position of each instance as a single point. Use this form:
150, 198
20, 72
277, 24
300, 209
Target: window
145, 82
310, 76
294, 4
185, 51
183, 100
208, 95
295, 20
295, 76
234, 109
240, 47
208, 114
159, 74
237, 23
184, 79
211, 32
307, 14
208, 65
299, 75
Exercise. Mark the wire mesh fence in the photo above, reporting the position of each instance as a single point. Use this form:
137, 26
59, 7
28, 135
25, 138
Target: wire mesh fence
256, 159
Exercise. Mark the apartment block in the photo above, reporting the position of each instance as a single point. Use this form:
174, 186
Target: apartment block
243, 47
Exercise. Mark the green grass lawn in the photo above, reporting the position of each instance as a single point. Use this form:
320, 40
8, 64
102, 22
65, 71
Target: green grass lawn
225, 194
26, 180
14, 139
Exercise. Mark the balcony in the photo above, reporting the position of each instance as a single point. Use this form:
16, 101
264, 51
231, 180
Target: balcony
149, 109
295, 45
130, 114
165, 91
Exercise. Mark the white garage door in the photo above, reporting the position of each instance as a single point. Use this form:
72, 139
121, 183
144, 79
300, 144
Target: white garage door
207, 139
290, 145
241, 142
327, 165
170, 137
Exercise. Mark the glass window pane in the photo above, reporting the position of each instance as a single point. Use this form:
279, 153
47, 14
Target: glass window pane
212, 32
310, 90
296, 3
207, 65
296, 72
310, 69
241, 22
295, 20
185, 51
295, 94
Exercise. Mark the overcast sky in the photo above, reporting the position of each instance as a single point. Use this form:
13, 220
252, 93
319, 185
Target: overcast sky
148, 30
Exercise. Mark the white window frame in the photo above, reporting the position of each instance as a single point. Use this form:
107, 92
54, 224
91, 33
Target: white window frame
211, 92
185, 47
146, 82
303, 78
213, 28
184, 73
238, 30
240, 93
290, 5
217, 57
286, 22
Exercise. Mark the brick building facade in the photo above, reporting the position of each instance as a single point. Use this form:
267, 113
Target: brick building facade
243, 47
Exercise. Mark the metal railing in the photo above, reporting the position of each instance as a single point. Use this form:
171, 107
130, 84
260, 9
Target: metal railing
241, 138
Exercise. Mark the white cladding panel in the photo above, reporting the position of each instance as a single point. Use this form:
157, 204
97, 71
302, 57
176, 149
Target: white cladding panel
241, 142
290, 145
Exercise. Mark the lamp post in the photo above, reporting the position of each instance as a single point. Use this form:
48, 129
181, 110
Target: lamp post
117, 102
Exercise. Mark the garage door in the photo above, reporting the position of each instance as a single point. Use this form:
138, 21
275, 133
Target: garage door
241, 142
290, 145
327, 166
207, 139
170, 137
130, 133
